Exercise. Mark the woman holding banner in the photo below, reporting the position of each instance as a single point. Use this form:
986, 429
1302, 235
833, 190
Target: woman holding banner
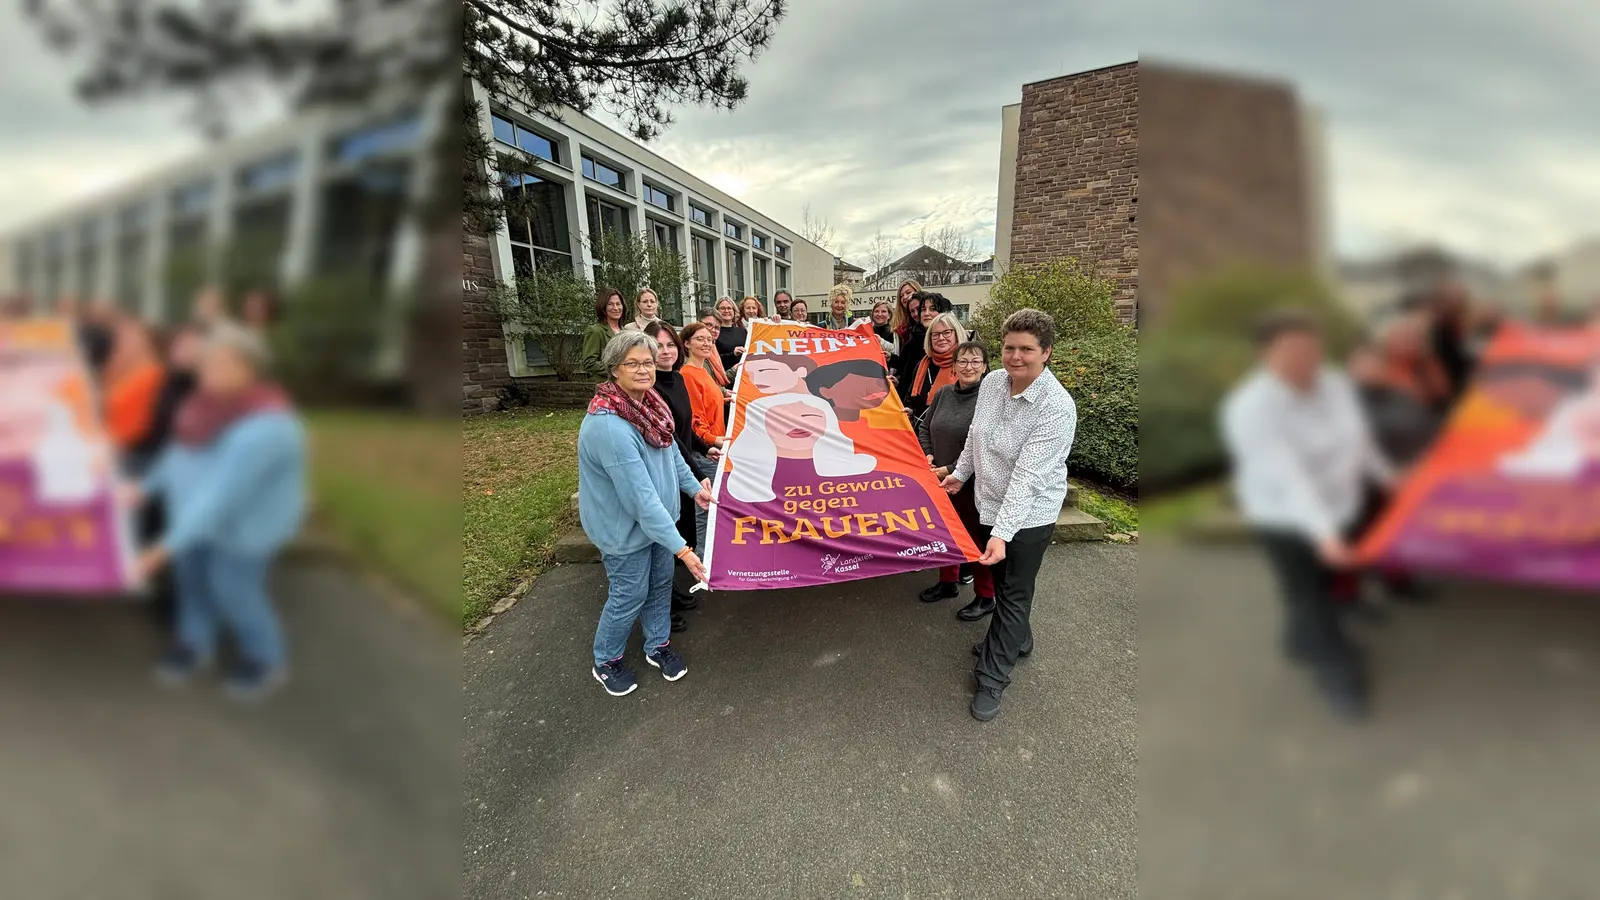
629, 473
234, 484
943, 435
696, 452
1022, 430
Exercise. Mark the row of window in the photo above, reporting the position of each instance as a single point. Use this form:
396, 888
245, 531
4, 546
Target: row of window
270, 176
523, 138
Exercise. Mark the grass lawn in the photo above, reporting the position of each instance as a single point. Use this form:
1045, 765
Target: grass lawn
384, 488
519, 470
1179, 508
1119, 513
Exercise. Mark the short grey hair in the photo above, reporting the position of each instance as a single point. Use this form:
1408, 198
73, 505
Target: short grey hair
246, 342
623, 343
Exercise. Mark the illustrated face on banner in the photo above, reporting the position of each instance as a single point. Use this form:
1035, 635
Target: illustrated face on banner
32, 387
778, 374
1531, 390
852, 386
795, 428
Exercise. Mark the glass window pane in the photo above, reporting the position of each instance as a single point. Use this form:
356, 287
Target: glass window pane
389, 137
504, 131
537, 144
522, 260
548, 216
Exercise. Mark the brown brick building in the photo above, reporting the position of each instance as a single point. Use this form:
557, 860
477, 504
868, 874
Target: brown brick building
1229, 167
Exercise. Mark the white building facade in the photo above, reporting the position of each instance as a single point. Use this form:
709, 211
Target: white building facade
593, 179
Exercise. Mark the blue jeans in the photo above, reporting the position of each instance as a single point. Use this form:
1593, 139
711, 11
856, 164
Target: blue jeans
708, 469
640, 590
217, 590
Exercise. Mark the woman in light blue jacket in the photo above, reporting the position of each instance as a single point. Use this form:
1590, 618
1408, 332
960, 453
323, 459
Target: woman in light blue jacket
233, 480
630, 474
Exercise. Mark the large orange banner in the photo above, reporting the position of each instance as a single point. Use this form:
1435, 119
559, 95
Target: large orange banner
823, 479
1511, 490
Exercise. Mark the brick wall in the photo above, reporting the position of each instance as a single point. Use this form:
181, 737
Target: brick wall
1077, 187
1224, 164
484, 368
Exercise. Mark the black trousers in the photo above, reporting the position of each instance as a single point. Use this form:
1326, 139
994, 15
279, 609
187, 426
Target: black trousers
1313, 629
1014, 578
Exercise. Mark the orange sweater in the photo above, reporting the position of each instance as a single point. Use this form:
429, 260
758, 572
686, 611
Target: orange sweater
705, 399
131, 404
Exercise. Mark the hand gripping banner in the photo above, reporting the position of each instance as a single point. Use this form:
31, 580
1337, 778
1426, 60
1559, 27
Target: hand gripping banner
60, 528
1511, 490
822, 479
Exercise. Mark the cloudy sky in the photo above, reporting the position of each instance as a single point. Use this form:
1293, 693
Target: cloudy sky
1467, 121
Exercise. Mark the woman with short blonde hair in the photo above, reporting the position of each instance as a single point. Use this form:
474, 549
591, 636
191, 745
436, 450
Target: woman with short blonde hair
839, 308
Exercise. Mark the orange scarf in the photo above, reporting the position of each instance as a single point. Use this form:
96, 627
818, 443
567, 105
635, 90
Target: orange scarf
714, 366
947, 375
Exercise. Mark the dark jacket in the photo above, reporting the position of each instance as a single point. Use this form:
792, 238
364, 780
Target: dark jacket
911, 353
671, 388
1403, 426
1450, 348
728, 339
174, 390
943, 431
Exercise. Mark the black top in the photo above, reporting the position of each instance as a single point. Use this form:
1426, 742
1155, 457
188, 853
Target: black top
1450, 348
730, 337
175, 388
1402, 425
917, 393
672, 389
943, 431
911, 353
95, 340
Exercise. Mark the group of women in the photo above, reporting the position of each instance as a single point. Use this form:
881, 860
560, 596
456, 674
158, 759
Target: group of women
656, 430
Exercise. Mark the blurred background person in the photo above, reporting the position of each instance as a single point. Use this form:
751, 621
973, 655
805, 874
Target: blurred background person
234, 482
1302, 456
131, 387
943, 435
608, 315
210, 307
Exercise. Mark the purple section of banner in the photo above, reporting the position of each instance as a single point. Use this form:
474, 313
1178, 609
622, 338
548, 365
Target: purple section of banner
67, 548
822, 530
1509, 529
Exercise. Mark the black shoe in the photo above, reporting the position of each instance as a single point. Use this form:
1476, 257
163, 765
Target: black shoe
682, 601
977, 609
985, 704
1346, 694
942, 590
679, 623
1027, 649
966, 573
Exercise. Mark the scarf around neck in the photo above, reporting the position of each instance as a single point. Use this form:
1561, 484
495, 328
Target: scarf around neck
651, 415
203, 417
713, 364
946, 374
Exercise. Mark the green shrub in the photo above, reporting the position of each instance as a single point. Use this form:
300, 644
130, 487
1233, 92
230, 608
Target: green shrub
1096, 358
325, 347
554, 305
632, 262
1078, 300
1200, 347
1101, 371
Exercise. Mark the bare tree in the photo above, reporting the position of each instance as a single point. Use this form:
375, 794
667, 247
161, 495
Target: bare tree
951, 259
880, 253
817, 231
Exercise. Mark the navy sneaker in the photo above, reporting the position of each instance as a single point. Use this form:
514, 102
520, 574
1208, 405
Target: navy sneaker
616, 678
254, 681
179, 666
668, 661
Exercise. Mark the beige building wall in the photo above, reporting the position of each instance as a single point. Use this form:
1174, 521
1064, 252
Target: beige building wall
813, 269
1010, 119
1314, 148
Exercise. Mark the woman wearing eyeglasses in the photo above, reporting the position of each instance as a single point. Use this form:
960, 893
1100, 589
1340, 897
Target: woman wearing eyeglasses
943, 434
945, 333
